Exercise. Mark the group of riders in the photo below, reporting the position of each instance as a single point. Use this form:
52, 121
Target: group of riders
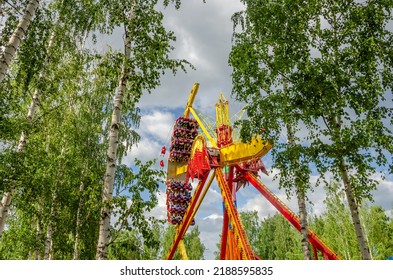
178, 192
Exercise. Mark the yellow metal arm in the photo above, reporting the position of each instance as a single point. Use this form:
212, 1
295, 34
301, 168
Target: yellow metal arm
189, 109
191, 99
211, 139
182, 250
245, 249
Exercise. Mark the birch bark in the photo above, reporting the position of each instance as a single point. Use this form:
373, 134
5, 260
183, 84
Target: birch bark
103, 238
348, 188
303, 224
364, 250
300, 193
4, 206
49, 231
79, 218
7, 196
16, 38
37, 225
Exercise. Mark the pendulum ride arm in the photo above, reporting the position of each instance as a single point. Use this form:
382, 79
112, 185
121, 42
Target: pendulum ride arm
288, 214
191, 99
195, 202
245, 250
201, 125
191, 110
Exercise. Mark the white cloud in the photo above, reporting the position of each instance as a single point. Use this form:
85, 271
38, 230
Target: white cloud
155, 131
210, 229
204, 33
157, 125
383, 195
147, 149
213, 217
212, 196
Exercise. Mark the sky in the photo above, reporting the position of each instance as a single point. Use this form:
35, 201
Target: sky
204, 34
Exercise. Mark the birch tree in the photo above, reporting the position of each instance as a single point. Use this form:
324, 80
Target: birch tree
336, 221
267, 90
13, 44
113, 144
6, 200
37, 61
335, 227
335, 57
51, 180
146, 50
61, 61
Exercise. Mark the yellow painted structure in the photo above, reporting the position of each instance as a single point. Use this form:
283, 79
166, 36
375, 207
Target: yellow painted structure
191, 98
233, 153
182, 250
222, 111
230, 153
205, 131
239, 152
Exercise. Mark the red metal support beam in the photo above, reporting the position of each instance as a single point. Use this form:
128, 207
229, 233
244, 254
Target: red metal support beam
224, 235
288, 214
234, 216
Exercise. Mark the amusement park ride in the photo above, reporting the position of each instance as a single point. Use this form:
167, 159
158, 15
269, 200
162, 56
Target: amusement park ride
216, 154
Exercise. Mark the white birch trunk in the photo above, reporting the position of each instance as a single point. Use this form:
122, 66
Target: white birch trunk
103, 237
49, 231
78, 220
364, 250
48, 252
4, 206
23, 138
39, 232
7, 196
348, 188
16, 38
302, 205
303, 224
300, 192
366, 234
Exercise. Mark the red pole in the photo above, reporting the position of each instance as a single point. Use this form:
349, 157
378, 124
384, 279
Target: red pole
288, 214
224, 235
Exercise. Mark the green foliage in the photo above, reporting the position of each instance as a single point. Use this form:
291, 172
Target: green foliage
272, 238
17, 242
131, 245
61, 167
324, 67
135, 195
378, 227
329, 55
193, 244
334, 227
